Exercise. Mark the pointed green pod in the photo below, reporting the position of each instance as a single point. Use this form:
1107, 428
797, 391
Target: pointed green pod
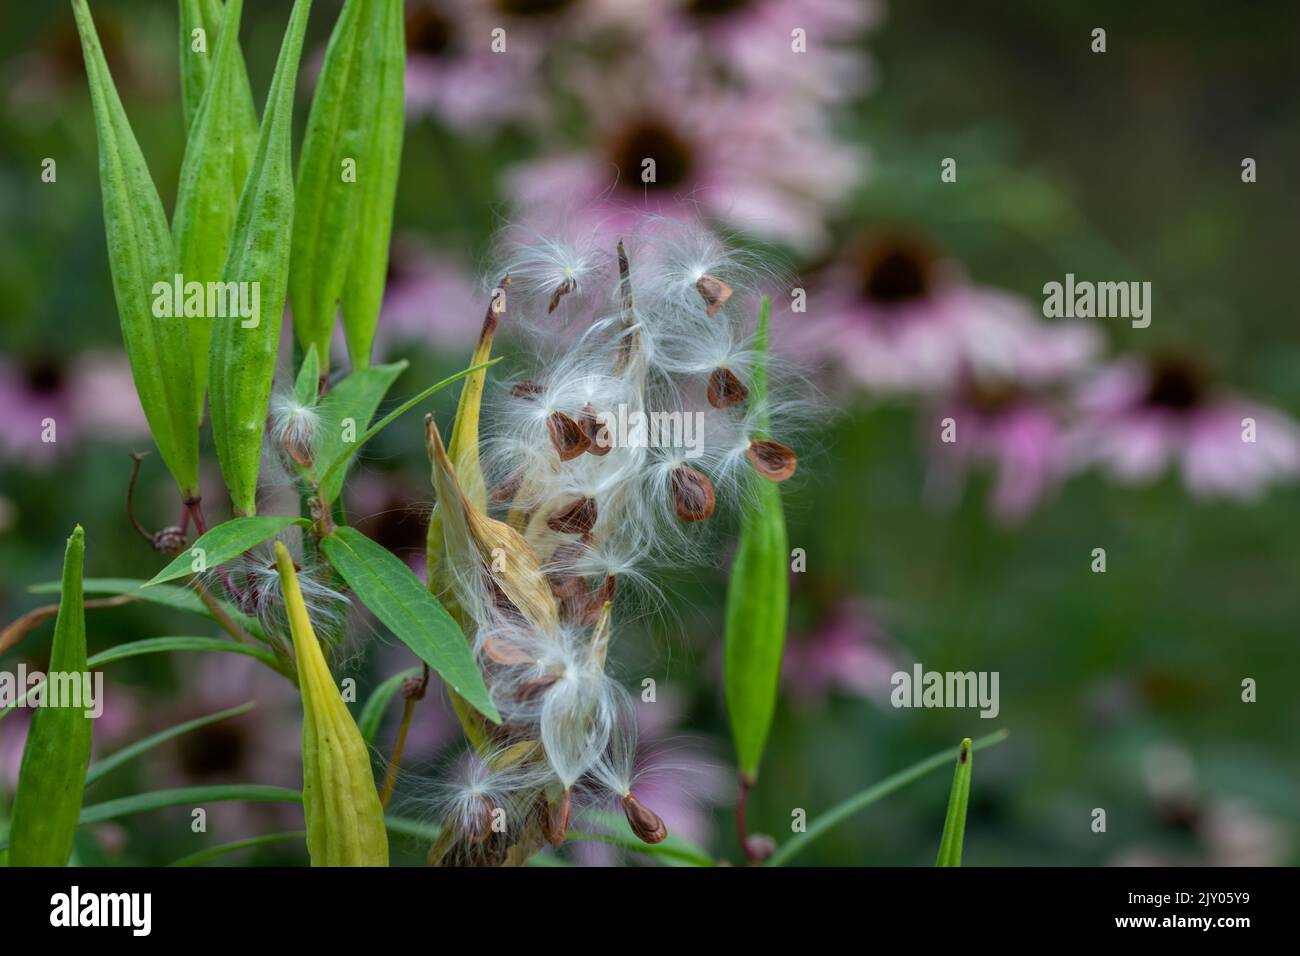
757, 602
345, 821
384, 65
201, 22
208, 195
954, 825
241, 360
53, 772
143, 263
333, 159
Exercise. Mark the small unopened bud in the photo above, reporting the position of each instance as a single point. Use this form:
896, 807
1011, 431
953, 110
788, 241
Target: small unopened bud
169, 540
758, 847
714, 292
772, 460
645, 823
569, 438
577, 518
725, 389
692, 494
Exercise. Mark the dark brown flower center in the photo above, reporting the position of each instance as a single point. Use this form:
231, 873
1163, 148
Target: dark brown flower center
1177, 385
213, 750
896, 273
656, 140
532, 8
44, 377
429, 32
715, 8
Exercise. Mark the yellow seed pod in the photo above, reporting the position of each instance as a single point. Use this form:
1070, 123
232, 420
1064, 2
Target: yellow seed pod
345, 821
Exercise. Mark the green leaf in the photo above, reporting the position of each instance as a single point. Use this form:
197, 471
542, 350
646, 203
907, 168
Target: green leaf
212, 852
332, 473
400, 600
165, 595
954, 825
164, 645
143, 262
859, 801
345, 411
372, 714
182, 797
209, 193
131, 751
327, 200
384, 68
227, 540
306, 387
757, 599
53, 771
243, 351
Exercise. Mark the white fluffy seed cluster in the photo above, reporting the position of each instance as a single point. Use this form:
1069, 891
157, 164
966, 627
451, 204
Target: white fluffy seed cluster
638, 419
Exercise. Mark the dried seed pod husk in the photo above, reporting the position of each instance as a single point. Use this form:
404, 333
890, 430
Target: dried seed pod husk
714, 292
645, 823
725, 388
772, 460
568, 436
471, 538
692, 493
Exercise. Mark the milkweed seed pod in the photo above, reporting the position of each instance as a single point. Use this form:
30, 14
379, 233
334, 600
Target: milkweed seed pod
632, 429
345, 821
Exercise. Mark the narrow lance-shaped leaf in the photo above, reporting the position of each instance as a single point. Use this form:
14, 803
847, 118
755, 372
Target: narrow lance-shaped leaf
243, 349
306, 387
384, 583
143, 263
345, 411
333, 155
197, 51
53, 772
206, 200
757, 600
384, 67
345, 822
954, 825
227, 540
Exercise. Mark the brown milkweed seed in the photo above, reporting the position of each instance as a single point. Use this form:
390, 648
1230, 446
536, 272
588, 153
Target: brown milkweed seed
725, 389
645, 823
597, 432
692, 494
772, 460
714, 292
569, 438
577, 518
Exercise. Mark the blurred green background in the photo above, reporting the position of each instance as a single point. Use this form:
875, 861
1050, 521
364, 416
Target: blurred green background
1121, 690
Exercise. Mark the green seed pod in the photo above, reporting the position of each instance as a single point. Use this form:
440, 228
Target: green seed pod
384, 65
243, 349
345, 821
757, 602
143, 262
328, 192
196, 68
53, 772
209, 194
